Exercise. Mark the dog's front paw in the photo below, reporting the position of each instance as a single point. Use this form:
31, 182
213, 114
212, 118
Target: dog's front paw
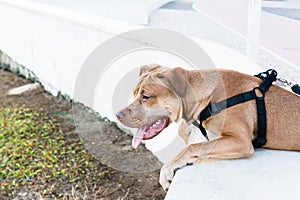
166, 177
167, 173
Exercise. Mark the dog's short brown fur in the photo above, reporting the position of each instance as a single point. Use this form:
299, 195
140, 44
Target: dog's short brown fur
180, 95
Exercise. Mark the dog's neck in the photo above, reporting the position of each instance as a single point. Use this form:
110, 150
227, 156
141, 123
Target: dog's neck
209, 88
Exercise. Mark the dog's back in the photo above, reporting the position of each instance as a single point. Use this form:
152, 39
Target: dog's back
283, 119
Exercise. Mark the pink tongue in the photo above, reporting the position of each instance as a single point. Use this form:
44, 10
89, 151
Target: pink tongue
138, 137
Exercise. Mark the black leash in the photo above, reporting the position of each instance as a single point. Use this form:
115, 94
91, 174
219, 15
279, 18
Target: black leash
258, 93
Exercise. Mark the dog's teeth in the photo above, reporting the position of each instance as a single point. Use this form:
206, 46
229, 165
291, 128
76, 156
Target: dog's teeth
158, 122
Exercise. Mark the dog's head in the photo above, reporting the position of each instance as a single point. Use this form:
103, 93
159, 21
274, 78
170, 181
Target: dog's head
157, 101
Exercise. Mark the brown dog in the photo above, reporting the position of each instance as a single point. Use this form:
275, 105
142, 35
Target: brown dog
164, 95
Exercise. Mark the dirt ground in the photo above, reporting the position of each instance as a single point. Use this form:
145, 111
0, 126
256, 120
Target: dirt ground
121, 172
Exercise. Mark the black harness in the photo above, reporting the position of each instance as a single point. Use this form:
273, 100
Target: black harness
258, 93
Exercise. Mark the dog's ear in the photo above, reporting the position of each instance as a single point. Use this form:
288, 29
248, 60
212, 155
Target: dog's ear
177, 80
148, 68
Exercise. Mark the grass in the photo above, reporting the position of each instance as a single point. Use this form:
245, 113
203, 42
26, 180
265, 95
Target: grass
36, 154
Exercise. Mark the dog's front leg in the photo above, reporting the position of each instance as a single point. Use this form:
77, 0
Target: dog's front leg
184, 131
226, 147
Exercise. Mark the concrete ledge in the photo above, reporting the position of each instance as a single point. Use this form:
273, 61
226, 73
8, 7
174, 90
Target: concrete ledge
269, 174
134, 11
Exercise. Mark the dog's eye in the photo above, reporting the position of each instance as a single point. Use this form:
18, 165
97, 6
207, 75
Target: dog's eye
145, 98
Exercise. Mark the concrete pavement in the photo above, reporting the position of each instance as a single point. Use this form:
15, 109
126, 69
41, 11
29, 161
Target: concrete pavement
268, 174
278, 34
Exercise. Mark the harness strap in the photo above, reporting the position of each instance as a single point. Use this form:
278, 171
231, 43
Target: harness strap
215, 108
260, 139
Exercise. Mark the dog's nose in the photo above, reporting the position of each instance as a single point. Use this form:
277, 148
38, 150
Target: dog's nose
120, 115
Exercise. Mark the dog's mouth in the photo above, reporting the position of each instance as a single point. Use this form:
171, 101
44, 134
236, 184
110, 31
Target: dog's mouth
149, 131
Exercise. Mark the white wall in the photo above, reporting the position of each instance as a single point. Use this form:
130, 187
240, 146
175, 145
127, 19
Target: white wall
52, 42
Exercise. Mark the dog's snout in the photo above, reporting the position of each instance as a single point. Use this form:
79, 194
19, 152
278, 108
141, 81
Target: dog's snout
120, 115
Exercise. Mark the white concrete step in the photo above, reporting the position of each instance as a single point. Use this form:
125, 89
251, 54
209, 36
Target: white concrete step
269, 174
